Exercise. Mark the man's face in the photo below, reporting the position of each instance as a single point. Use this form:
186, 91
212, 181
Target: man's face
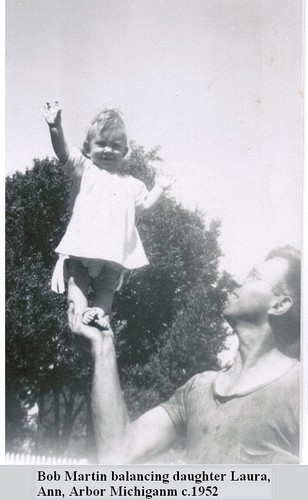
252, 297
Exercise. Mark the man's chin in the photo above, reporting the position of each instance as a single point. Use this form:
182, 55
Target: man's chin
225, 309
228, 315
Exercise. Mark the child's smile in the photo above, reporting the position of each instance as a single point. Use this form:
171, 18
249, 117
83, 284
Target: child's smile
108, 149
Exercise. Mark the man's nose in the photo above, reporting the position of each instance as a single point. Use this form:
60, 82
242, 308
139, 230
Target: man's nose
107, 149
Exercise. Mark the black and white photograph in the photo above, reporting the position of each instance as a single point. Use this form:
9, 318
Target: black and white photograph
153, 218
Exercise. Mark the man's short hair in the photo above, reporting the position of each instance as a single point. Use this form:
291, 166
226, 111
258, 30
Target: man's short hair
291, 284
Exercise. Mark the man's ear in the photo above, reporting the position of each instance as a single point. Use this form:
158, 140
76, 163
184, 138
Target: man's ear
280, 305
125, 151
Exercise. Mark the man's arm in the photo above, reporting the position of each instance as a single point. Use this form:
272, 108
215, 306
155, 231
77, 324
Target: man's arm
117, 439
53, 118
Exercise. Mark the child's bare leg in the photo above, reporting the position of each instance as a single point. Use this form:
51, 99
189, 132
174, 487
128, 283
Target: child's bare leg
77, 295
104, 287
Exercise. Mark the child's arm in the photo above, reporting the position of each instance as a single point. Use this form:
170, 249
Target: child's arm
53, 118
162, 183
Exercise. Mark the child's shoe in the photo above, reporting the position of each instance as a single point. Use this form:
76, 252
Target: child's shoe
95, 316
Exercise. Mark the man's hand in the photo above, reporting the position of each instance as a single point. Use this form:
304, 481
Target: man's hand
94, 335
52, 114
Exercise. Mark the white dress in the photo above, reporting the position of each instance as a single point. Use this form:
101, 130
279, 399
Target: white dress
102, 225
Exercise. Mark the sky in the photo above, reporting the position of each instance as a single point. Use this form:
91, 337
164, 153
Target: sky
217, 84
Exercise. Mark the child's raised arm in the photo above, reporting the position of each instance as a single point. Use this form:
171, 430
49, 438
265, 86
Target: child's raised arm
163, 182
52, 116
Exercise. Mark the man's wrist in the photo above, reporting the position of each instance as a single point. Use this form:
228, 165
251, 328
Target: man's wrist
103, 344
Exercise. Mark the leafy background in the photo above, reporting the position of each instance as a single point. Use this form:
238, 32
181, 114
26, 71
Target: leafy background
167, 316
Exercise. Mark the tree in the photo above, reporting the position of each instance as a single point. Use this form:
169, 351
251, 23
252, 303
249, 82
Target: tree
40, 356
166, 317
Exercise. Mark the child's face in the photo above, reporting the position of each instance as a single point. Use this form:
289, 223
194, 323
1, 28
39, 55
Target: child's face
107, 149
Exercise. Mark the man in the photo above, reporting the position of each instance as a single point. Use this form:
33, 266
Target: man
246, 414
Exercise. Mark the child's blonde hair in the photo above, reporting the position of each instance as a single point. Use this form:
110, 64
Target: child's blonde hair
109, 119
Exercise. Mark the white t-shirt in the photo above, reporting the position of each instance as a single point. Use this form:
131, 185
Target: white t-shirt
102, 225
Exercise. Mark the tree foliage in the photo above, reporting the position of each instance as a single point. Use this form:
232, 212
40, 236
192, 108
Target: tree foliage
167, 316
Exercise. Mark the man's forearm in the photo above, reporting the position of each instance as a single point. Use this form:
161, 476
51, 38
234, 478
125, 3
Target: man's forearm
110, 418
117, 439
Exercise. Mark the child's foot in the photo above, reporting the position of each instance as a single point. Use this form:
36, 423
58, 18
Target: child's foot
102, 321
95, 316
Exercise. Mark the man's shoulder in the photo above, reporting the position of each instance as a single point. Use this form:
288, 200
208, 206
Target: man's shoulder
207, 375
188, 396
202, 379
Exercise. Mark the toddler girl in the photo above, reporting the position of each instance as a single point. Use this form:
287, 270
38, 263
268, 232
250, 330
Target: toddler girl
101, 241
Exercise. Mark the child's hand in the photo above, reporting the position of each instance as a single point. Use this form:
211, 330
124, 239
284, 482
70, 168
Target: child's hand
164, 180
52, 114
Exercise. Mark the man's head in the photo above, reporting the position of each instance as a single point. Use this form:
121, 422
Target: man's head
287, 326
106, 140
271, 292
